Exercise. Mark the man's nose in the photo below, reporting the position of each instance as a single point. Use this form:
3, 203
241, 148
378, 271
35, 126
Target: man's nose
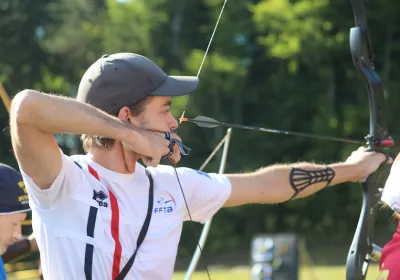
174, 124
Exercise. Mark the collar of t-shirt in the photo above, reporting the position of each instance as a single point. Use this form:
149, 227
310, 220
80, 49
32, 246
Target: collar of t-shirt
112, 176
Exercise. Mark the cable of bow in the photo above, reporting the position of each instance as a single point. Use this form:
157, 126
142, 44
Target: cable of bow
362, 249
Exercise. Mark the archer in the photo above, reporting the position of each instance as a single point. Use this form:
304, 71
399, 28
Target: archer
94, 215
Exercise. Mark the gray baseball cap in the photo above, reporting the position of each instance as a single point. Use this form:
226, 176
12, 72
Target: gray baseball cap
121, 79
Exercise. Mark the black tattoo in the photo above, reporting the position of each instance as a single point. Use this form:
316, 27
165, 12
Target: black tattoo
301, 179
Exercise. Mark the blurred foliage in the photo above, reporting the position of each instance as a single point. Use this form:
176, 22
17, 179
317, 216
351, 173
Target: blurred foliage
277, 63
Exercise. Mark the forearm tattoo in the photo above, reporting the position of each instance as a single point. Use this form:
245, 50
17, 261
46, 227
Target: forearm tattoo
301, 179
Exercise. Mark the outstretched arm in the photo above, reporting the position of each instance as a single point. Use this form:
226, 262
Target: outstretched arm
279, 183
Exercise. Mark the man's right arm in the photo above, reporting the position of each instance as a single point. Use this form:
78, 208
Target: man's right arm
36, 116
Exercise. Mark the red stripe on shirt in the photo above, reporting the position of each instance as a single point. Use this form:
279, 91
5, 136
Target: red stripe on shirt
94, 173
115, 234
114, 227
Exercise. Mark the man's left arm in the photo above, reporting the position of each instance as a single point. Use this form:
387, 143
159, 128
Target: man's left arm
280, 183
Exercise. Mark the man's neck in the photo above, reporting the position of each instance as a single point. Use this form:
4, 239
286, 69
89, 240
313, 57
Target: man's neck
115, 159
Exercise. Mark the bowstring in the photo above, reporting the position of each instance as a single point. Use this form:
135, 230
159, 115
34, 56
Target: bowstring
205, 54
184, 112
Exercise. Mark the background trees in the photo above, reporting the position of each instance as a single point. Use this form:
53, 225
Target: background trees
278, 63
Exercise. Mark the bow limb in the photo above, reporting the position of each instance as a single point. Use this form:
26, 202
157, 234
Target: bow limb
362, 249
205, 54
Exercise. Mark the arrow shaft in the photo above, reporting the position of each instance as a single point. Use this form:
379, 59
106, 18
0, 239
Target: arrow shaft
277, 131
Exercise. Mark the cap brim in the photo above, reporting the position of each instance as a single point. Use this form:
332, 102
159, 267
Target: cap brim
15, 212
176, 85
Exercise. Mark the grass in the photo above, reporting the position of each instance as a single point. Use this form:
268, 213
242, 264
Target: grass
241, 273
314, 273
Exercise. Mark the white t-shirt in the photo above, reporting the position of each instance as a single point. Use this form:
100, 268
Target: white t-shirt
87, 228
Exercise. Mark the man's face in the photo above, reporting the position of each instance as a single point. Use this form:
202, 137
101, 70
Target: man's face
157, 116
10, 232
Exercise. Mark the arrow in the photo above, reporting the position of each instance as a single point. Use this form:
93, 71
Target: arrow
208, 122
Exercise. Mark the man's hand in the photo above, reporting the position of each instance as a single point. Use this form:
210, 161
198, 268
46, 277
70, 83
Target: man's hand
176, 155
367, 162
150, 145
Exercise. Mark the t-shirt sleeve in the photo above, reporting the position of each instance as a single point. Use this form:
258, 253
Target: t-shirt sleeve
391, 191
61, 189
205, 193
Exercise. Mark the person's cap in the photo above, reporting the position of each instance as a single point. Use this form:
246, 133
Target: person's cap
121, 79
13, 194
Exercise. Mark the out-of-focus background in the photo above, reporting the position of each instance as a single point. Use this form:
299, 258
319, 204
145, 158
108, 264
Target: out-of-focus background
277, 63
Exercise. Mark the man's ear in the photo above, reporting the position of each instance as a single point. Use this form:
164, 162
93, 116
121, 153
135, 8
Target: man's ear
124, 114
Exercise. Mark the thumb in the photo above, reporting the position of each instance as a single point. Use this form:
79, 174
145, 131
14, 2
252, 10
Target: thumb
387, 158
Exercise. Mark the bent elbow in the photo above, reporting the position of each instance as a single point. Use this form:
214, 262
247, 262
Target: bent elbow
21, 106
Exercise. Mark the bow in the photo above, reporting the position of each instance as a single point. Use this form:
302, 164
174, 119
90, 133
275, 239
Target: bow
362, 250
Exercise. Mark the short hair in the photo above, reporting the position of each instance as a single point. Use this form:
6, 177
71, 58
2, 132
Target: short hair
93, 141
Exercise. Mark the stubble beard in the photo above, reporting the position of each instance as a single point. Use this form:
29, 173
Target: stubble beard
143, 124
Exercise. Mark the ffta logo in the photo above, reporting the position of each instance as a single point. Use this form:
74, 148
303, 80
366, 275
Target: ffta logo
165, 204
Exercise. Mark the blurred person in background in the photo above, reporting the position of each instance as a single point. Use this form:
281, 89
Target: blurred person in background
14, 205
20, 249
103, 215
